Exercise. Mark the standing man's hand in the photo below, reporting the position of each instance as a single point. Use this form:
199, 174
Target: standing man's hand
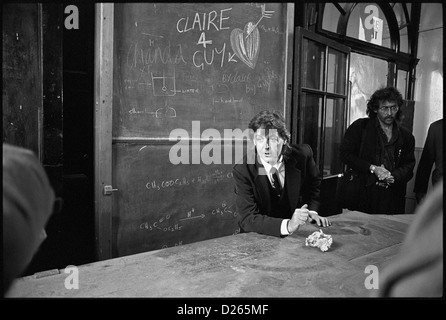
389, 180
381, 172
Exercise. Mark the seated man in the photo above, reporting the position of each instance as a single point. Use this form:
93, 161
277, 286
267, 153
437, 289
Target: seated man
277, 186
28, 201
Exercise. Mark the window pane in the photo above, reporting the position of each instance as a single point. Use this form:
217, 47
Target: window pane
312, 108
331, 17
367, 23
367, 74
334, 122
313, 64
402, 82
337, 63
402, 25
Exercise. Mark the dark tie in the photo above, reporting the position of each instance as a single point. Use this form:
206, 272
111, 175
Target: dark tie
276, 181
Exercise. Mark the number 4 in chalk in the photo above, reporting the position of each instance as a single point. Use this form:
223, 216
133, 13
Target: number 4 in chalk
203, 40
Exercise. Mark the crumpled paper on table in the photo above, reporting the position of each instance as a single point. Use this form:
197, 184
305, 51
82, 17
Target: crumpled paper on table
320, 240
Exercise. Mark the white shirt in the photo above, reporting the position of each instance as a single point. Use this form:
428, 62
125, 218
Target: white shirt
280, 167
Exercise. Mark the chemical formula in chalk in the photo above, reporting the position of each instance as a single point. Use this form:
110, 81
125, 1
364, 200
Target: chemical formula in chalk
162, 224
226, 210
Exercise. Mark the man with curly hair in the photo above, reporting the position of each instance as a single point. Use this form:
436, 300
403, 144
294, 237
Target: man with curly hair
278, 191
381, 151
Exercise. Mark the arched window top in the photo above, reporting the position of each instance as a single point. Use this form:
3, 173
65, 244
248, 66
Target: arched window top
332, 15
368, 23
382, 24
402, 18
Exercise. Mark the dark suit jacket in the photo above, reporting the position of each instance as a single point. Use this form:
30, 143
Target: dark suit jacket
253, 198
432, 153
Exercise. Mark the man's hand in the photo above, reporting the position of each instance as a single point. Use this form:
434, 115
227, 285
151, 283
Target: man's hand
390, 179
381, 172
300, 217
321, 221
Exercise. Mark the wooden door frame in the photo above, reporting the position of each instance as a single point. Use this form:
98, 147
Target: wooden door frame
103, 104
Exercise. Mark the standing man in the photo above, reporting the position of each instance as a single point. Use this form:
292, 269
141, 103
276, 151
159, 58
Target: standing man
277, 184
386, 161
432, 153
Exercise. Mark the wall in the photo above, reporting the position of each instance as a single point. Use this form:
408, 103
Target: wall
429, 83
429, 72
22, 76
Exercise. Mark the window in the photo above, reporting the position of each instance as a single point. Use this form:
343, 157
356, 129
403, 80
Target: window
367, 74
322, 88
385, 31
402, 17
332, 14
401, 83
368, 23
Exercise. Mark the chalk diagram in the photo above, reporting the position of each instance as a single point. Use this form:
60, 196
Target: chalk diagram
163, 86
246, 43
166, 112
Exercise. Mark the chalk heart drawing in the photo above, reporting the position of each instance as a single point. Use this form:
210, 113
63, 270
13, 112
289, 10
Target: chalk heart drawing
246, 44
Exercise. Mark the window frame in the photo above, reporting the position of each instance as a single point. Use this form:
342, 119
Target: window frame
297, 134
396, 59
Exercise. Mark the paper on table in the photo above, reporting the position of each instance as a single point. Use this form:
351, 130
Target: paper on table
320, 240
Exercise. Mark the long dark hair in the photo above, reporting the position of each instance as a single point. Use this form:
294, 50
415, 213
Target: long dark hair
385, 94
272, 119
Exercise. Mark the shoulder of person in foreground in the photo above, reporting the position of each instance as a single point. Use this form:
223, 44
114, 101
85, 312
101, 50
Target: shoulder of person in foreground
417, 270
28, 202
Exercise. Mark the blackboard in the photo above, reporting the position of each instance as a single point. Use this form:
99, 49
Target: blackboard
21, 95
163, 83
159, 204
175, 63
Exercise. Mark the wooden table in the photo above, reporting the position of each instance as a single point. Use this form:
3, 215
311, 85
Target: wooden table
243, 265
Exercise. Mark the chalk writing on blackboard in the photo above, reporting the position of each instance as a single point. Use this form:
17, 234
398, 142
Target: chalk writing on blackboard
165, 112
176, 63
192, 74
168, 224
225, 209
215, 177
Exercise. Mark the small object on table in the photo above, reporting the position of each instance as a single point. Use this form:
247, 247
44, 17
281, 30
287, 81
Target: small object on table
320, 240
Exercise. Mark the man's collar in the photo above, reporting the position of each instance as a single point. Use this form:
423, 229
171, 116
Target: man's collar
395, 124
268, 167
